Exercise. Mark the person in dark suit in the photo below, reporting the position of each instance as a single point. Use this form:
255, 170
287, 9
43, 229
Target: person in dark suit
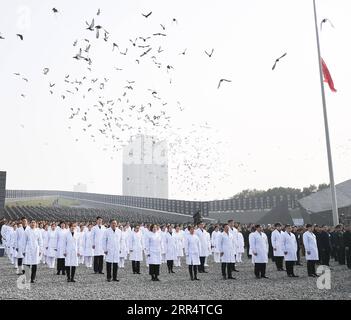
268, 232
325, 246
333, 252
347, 244
339, 241
298, 237
317, 232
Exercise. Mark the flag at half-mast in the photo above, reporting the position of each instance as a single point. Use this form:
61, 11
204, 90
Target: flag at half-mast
327, 76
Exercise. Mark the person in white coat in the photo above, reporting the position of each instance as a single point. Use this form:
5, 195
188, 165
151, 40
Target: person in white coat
124, 246
171, 249
111, 244
311, 249
202, 235
227, 251
163, 233
97, 235
136, 247
19, 244
81, 244
153, 251
276, 239
44, 235
71, 251
215, 236
234, 231
88, 250
240, 249
259, 249
11, 244
289, 246
60, 247
192, 248
179, 237
33, 248
51, 246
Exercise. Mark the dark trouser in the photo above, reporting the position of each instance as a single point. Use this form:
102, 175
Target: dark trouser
193, 271
279, 262
325, 257
260, 269
154, 270
98, 263
202, 264
136, 266
348, 256
311, 267
334, 254
33, 273
298, 256
61, 265
229, 267
70, 272
114, 270
289, 265
341, 255
19, 262
247, 251
170, 265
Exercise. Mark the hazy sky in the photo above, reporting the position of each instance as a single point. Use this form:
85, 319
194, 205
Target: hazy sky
270, 122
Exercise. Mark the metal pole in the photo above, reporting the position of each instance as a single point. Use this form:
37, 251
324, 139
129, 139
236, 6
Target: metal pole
326, 127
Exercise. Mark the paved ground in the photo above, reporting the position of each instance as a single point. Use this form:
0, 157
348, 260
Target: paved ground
176, 286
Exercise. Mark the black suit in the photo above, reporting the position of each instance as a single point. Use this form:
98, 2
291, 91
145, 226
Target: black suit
347, 244
324, 248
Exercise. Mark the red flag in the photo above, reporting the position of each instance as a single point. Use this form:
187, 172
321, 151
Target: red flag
327, 76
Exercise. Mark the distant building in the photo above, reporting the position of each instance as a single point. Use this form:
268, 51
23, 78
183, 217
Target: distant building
80, 187
145, 168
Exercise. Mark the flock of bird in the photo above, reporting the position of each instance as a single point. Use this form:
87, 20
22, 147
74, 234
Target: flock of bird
117, 119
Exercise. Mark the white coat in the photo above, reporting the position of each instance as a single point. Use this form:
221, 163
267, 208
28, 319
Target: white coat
192, 248
277, 243
202, 235
12, 245
310, 244
215, 237
71, 249
33, 246
61, 242
97, 235
171, 246
87, 242
51, 245
111, 243
136, 246
240, 248
289, 246
153, 248
227, 247
179, 237
259, 246
20, 241
124, 244
163, 242
45, 237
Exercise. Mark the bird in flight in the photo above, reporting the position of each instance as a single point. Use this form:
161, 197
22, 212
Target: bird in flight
183, 53
220, 82
277, 60
326, 20
19, 36
146, 52
1, 37
147, 15
91, 25
159, 34
209, 54
45, 71
98, 12
54, 10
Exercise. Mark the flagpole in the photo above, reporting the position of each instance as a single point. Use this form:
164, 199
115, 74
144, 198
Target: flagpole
326, 127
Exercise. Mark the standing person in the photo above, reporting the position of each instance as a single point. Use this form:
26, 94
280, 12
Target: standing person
33, 248
289, 246
278, 253
311, 249
19, 244
240, 249
259, 249
163, 233
340, 248
234, 231
51, 246
268, 233
61, 243
153, 251
298, 237
215, 237
227, 252
45, 237
136, 249
124, 246
192, 248
325, 246
88, 250
179, 237
71, 251
347, 244
111, 243
171, 249
97, 235
201, 233
13, 245
81, 230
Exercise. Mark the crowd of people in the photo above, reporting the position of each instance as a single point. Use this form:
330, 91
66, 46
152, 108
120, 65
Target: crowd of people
68, 245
